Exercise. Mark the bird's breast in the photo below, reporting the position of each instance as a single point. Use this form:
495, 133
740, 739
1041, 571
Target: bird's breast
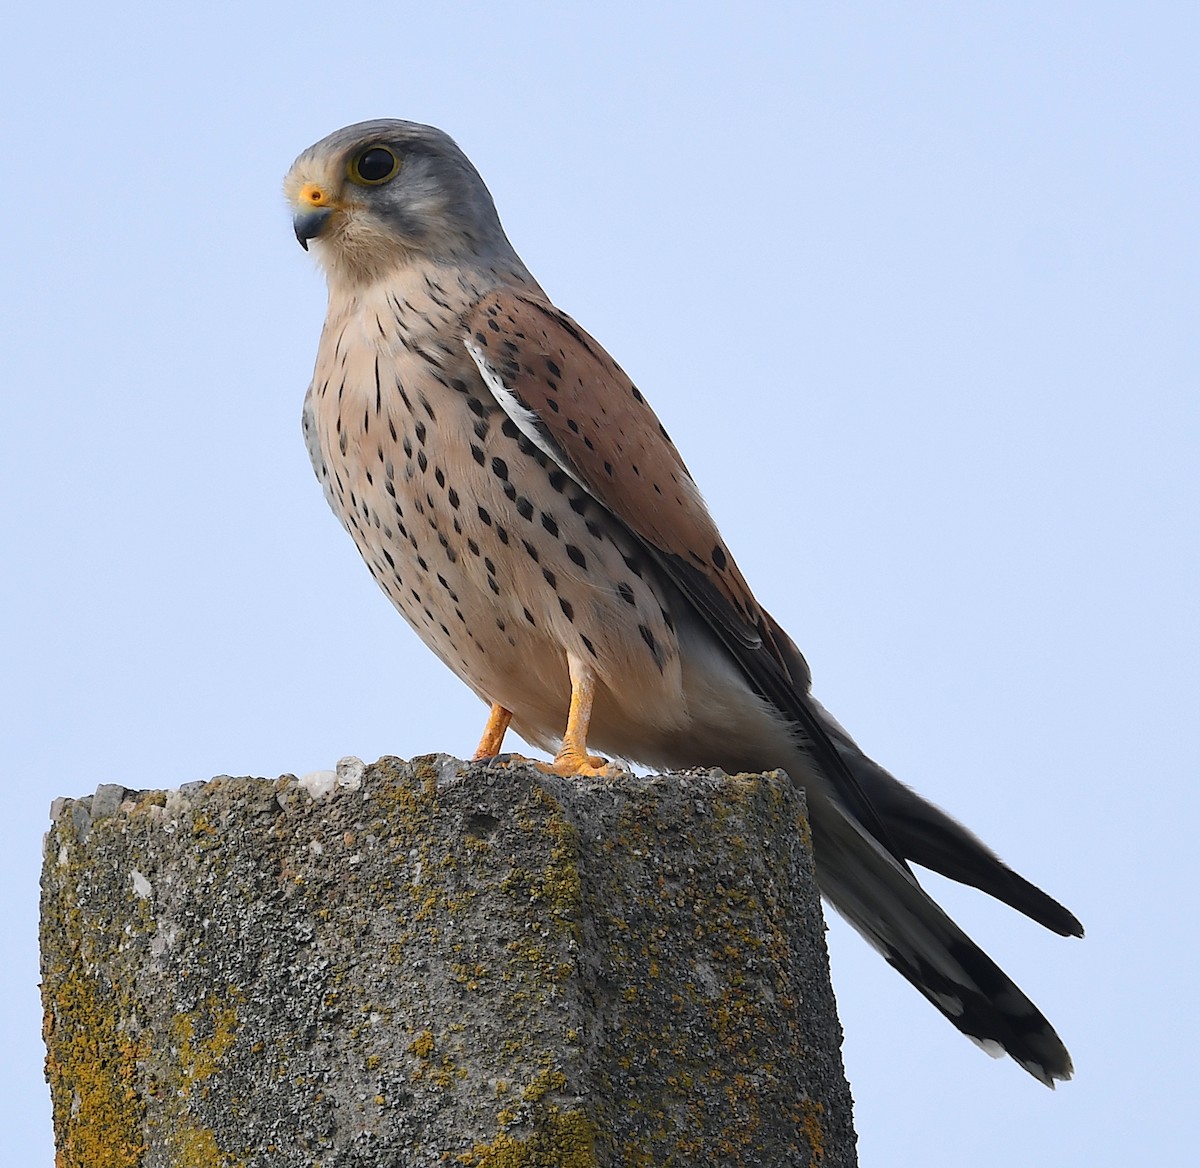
500, 561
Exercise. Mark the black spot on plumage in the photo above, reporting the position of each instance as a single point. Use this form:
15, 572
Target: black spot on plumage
419, 430
608, 468
588, 645
626, 593
452, 496
578, 504
458, 384
388, 556
576, 556
481, 338
501, 534
510, 492
428, 408
477, 454
403, 396
637, 393
558, 480
439, 476
481, 428
651, 644
531, 550
568, 611
493, 326
555, 371
509, 429
422, 461
552, 405
718, 557
422, 564
484, 516
487, 563
493, 585
408, 447
593, 529
392, 429
524, 508
550, 578
529, 617
500, 468
550, 524
632, 564
472, 547
476, 406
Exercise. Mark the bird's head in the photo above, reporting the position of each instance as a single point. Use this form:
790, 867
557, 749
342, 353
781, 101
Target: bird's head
380, 195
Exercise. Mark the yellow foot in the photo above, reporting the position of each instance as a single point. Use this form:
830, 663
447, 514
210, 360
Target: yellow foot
493, 734
569, 763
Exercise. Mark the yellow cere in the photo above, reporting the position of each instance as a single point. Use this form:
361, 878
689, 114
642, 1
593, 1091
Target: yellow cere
314, 195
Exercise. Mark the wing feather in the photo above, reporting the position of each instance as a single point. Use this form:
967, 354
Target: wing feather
572, 401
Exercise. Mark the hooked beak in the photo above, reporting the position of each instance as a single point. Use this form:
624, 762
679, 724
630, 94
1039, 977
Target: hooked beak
309, 223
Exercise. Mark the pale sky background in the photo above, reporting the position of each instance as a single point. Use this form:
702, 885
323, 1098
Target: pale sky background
913, 285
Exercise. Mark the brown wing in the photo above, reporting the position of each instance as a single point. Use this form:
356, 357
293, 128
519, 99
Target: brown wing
583, 405
573, 401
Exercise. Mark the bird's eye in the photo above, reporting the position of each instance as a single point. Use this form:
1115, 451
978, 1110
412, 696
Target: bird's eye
374, 166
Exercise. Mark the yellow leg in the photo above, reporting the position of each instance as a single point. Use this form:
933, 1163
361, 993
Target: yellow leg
573, 758
493, 732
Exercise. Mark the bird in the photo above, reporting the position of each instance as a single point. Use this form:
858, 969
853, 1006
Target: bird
522, 506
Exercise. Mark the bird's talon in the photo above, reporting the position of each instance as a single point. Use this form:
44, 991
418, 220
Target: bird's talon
509, 758
582, 765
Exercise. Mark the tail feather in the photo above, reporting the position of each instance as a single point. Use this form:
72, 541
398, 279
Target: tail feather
926, 835
891, 910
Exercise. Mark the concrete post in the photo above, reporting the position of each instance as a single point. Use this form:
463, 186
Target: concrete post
440, 963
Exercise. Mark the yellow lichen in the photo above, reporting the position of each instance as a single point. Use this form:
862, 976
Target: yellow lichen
93, 1045
813, 1131
199, 1059
196, 1147
542, 1084
563, 1139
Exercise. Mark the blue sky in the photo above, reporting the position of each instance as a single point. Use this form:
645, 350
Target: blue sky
914, 288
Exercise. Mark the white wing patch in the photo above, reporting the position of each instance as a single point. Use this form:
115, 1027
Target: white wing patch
522, 416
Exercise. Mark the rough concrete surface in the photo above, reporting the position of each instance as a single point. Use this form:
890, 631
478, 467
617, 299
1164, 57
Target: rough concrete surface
439, 962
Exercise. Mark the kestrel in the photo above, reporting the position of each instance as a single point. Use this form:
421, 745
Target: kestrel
520, 503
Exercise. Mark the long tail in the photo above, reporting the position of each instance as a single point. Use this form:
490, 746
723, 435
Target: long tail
884, 902
926, 835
